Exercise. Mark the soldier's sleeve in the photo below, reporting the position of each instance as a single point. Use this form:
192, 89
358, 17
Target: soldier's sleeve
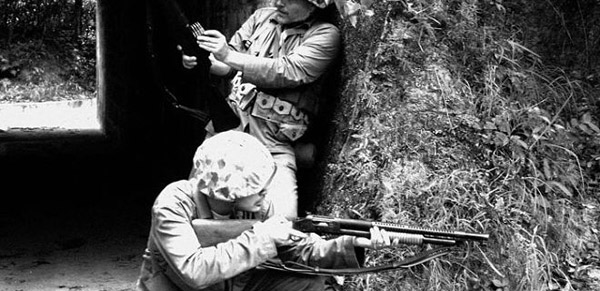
193, 264
317, 252
247, 29
304, 64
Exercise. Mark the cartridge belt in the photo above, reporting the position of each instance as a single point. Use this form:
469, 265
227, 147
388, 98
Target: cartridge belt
292, 121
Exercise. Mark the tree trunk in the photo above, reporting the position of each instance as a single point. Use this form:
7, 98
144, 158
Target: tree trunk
77, 12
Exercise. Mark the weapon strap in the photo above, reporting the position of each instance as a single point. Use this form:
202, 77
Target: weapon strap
201, 115
405, 264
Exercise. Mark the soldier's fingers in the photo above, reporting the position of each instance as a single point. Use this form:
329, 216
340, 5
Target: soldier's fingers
212, 33
376, 238
386, 238
297, 235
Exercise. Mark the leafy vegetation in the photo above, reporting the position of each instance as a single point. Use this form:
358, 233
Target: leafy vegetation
48, 50
471, 115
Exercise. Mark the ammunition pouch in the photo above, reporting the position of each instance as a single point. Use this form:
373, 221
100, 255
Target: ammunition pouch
292, 122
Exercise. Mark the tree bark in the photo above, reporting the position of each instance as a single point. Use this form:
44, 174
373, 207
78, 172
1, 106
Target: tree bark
77, 12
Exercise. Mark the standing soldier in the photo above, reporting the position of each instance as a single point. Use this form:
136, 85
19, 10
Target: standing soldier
278, 60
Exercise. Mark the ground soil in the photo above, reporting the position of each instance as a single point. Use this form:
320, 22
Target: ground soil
72, 221
72, 256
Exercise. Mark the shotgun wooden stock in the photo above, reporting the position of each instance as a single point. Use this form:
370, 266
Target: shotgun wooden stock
210, 232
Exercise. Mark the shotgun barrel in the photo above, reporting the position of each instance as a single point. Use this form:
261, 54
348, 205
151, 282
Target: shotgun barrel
324, 224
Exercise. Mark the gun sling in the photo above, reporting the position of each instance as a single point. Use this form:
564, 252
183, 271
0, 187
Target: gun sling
404, 264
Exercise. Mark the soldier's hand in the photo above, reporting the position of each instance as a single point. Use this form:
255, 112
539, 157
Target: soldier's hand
279, 230
188, 62
380, 239
215, 42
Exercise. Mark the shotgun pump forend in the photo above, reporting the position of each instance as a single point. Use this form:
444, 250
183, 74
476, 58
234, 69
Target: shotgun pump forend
405, 234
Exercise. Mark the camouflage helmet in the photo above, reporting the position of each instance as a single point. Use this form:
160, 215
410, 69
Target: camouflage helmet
321, 3
231, 165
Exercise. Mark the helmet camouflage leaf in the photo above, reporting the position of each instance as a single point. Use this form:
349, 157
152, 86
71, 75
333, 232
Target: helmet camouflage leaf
321, 3
231, 165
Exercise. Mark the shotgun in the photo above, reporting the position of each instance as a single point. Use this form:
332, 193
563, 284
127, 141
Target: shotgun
211, 232
406, 234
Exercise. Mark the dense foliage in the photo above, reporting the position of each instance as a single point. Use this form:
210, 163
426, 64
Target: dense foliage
479, 116
48, 50
21, 20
